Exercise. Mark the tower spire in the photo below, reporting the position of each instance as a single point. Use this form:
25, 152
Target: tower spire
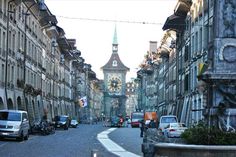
115, 42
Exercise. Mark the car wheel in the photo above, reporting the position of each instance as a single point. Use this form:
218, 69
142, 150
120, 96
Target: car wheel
168, 135
27, 136
66, 128
21, 138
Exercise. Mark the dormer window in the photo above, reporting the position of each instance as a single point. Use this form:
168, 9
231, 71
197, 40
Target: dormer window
114, 63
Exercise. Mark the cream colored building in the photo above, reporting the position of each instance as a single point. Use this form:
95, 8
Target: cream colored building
39, 76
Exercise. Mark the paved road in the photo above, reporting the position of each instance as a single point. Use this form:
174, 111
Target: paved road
77, 142
128, 138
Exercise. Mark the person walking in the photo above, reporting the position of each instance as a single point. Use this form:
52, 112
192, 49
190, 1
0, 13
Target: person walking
142, 127
152, 124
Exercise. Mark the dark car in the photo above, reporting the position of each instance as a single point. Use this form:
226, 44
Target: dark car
62, 121
115, 121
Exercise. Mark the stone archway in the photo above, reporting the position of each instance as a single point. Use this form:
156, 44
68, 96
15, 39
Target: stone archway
10, 104
19, 103
56, 111
40, 109
1, 104
51, 110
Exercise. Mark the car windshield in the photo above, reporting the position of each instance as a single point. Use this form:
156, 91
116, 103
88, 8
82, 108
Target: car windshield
62, 118
168, 120
137, 116
10, 116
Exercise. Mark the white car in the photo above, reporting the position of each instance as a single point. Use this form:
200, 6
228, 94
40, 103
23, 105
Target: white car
174, 129
14, 124
74, 123
166, 120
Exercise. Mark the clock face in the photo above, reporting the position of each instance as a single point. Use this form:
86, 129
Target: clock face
114, 83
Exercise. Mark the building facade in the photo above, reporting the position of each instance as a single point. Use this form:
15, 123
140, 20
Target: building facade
196, 78
40, 67
131, 104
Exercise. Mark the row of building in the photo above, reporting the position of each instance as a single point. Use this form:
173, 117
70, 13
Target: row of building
41, 70
190, 73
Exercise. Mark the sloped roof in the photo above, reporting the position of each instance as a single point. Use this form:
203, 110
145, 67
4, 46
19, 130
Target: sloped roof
120, 66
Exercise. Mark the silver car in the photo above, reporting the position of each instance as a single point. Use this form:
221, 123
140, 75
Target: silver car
14, 124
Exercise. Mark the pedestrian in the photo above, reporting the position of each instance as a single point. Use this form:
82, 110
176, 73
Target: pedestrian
142, 127
152, 124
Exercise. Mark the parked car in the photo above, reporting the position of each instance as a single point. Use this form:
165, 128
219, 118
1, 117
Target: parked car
74, 123
174, 129
14, 124
62, 121
115, 121
166, 120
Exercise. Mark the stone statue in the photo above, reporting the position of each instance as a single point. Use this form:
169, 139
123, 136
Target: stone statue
229, 15
227, 108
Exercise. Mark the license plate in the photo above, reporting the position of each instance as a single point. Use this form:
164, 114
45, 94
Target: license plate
58, 125
4, 133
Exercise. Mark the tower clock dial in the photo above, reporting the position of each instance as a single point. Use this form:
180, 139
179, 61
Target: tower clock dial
114, 83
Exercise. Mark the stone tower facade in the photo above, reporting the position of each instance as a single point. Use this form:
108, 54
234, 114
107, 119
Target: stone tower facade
114, 83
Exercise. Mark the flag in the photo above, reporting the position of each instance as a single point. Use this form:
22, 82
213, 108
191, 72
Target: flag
202, 67
83, 101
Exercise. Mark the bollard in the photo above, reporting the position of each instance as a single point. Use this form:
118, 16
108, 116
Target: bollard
94, 153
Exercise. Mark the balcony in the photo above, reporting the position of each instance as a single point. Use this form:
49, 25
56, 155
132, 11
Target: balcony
149, 70
20, 83
164, 52
183, 7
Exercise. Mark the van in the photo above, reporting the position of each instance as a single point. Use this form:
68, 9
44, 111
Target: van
14, 124
136, 117
150, 115
165, 120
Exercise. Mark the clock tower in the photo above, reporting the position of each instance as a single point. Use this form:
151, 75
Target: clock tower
114, 82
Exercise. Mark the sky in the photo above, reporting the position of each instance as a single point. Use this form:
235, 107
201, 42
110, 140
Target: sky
92, 24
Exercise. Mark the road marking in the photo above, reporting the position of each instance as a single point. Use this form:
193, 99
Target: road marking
112, 146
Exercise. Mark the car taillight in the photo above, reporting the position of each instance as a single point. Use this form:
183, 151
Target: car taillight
172, 129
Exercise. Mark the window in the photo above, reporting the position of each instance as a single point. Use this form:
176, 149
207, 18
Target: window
4, 44
0, 40
18, 72
114, 63
192, 45
3, 73
200, 38
12, 74
186, 53
186, 82
196, 42
13, 42
24, 116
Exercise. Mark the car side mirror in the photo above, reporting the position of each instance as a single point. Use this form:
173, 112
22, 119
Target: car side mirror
24, 120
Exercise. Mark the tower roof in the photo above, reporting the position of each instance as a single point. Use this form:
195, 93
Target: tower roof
119, 65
